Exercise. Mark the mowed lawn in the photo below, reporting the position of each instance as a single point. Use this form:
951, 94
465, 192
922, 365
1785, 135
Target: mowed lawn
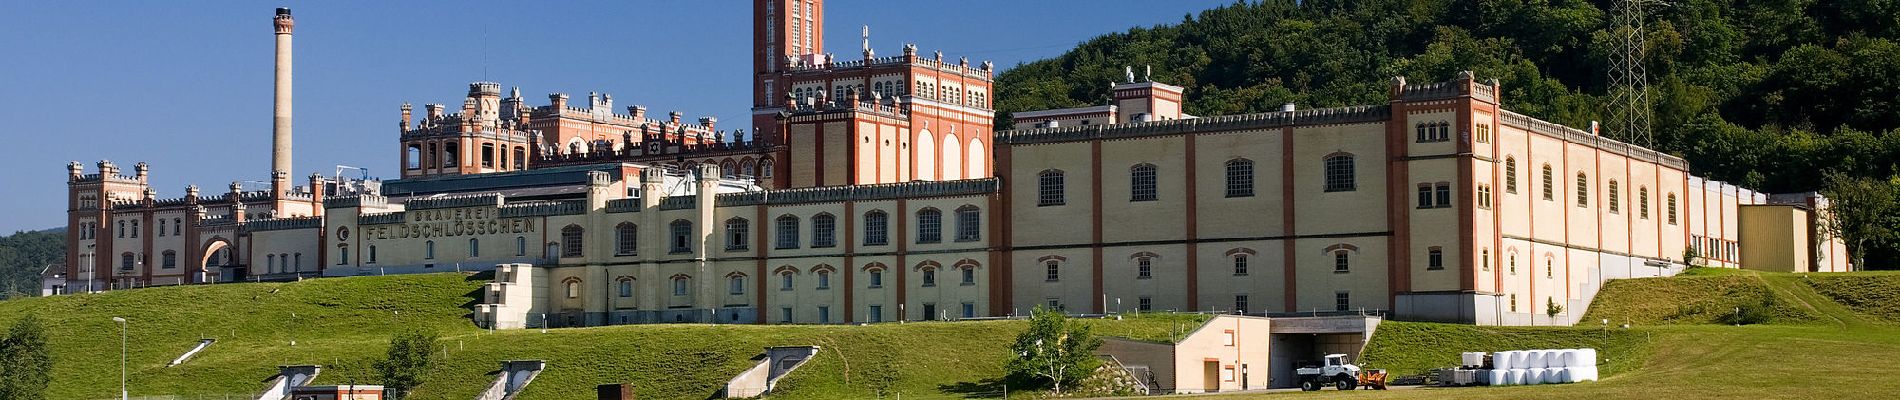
1828, 350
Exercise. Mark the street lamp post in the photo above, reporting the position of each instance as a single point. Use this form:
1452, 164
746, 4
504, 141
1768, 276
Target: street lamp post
123, 394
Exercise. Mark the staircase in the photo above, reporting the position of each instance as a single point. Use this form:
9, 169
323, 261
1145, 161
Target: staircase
514, 376
289, 377
772, 366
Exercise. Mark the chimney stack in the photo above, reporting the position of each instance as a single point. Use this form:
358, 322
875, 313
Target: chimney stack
280, 128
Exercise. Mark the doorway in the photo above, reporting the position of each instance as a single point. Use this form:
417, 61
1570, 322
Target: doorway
1210, 376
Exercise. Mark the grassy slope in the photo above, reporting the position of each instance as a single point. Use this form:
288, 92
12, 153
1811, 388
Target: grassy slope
1700, 298
345, 324
1828, 356
1412, 348
1875, 296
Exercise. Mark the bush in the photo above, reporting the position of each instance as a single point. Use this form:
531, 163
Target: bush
410, 354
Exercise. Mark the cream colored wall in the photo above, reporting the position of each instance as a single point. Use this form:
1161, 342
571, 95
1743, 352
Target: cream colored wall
1063, 224
1365, 281
1160, 219
1435, 227
1219, 216
1166, 284
1250, 347
1264, 282
1074, 288
836, 141
289, 241
1778, 238
1362, 210
803, 170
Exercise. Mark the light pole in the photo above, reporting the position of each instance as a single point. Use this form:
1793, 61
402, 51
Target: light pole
123, 395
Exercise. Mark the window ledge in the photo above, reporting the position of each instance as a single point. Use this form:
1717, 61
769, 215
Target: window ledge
680, 252
969, 239
1144, 277
625, 254
1052, 280
785, 289
1342, 272
1241, 274
1434, 268
824, 288
875, 287
930, 285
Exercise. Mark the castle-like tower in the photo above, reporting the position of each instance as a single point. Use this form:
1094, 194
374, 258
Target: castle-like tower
867, 120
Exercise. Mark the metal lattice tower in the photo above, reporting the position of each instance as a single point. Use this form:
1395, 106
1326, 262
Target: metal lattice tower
1629, 106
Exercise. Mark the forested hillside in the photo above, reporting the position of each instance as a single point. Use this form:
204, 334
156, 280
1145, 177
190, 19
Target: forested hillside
23, 255
1771, 94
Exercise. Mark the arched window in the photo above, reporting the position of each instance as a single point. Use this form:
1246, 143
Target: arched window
969, 273
573, 288
1240, 177
824, 278
929, 276
521, 247
1510, 175
428, 250
1049, 188
1550, 184
571, 241
929, 226
1144, 267
747, 168
787, 232
682, 236
1424, 133
1642, 202
474, 248
738, 233
876, 275
371, 255
680, 285
521, 153
926, 154
1052, 270
1511, 262
728, 169
412, 158
1141, 182
1342, 261
1672, 209
135, 229
161, 227
765, 167
1583, 190
1339, 173
626, 239
1240, 265
877, 228
735, 284
121, 229
1610, 192
785, 279
170, 258
824, 230
969, 224
626, 287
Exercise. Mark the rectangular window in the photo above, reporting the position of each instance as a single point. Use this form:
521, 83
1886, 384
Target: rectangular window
1049, 189
929, 226
969, 275
735, 285
930, 311
1240, 265
969, 224
785, 315
1342, 301
1141, 185
930, 277
824, 280
1054, 303
679, 287
626, 288
787, 232
824, 314
1424, 195
877, 278
1240, 178
682, 237
876, 229
1240, 307
1053, 271
1339, 173
969, 310
1444, 195
736, 234
1144, 268
877, 313
1435, 260
824, 231
1484, 196
1342, 263
1145, 303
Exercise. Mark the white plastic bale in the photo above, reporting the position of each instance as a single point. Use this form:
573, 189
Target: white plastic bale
1514, 377
1534, 376
1497, 377
1502, 360
1473, 358
1557, 375
1535, 359
1586, 358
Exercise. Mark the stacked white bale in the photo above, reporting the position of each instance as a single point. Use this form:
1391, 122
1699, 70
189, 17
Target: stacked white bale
1514, 377
1503, 360
1586, 358
1572, 357
1534, 376
1473, 358
1520, 359
1535, 359
1497, 377
1557, 375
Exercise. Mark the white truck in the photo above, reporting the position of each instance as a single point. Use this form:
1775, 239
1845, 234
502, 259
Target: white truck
1335, 372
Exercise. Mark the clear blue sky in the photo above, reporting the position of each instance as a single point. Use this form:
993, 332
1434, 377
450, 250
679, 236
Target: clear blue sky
186, 86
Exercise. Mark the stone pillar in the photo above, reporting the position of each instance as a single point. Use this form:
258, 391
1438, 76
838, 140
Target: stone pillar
280, 128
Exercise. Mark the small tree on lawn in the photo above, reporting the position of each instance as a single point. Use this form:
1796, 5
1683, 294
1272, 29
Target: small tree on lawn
1552, 308
1054, 348
410, 354
25, 365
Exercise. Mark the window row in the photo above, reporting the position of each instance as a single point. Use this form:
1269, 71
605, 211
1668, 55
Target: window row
1613, 191
1052, 184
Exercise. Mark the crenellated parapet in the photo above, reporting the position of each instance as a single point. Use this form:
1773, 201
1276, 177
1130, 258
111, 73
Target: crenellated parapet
1266, 120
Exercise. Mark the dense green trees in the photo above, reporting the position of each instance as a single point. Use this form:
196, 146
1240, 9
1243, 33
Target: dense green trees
1053, 351
23, 255
410, 355
26, 365
1769, 94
